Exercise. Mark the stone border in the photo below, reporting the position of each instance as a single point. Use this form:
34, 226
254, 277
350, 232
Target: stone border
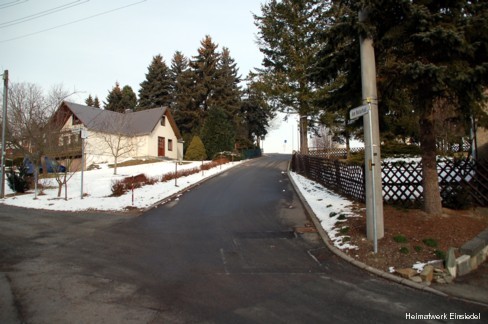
473, 253
325, 237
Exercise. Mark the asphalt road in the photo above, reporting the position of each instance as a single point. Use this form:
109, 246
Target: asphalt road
224, 252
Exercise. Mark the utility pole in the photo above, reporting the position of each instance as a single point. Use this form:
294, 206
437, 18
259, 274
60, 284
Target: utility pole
374, 192
4, 125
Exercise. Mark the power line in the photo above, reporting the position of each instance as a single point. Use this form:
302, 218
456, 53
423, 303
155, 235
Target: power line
42, 13
12, 3
73, 22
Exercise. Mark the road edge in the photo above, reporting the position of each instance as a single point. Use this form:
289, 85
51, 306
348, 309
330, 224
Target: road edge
326, 239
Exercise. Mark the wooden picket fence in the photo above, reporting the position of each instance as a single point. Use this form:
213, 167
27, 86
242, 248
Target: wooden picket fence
402, 181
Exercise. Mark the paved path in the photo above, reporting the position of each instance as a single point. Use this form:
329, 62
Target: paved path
224, 252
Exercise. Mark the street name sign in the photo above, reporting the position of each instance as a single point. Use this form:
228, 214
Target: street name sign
359, 111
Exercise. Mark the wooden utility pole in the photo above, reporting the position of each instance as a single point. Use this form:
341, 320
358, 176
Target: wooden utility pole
4, 125
374, 194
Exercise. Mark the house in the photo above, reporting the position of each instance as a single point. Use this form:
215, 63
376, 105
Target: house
112, 136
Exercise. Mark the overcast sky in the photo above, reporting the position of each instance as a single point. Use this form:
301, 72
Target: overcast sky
50, 42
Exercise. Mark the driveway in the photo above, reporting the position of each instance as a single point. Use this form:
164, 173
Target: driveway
224, 252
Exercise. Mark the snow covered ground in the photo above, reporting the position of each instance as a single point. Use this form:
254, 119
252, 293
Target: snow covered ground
329, 207
97, 188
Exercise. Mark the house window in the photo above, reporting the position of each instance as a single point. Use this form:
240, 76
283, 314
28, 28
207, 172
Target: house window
163, 121
170, 145
76, 121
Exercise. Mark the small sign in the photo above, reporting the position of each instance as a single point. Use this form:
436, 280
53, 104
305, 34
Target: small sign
84, 133
359, 111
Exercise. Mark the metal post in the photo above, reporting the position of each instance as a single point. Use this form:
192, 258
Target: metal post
374, 195
4, 125
82, 160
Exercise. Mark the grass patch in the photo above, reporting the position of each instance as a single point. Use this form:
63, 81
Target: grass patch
430, 242
404, 250
344, 230
440, 254
400, 238
417, 248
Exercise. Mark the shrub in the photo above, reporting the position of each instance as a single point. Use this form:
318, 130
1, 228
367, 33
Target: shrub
18, 182
400, 239
404, 250
430, 242
196, 150
344, 230
118, 188
440, 254
456, 197
417, 248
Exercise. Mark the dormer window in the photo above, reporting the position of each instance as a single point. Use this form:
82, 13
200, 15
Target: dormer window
163, 121
76, 121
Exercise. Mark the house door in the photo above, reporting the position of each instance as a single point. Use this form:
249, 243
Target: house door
160, 146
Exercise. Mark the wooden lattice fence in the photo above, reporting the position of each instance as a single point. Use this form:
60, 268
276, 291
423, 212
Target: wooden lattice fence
402, 180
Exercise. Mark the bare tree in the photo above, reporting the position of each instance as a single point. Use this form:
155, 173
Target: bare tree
119, 140
29, 129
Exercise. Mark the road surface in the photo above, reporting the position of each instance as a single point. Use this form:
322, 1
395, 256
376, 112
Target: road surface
224, 252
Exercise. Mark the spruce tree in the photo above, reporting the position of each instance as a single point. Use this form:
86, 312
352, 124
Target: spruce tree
156, 90
227, 92
96, 103
129, 98
431, 60
287, 31
218, 132
184, 107
204, 67
89, 101
114, 99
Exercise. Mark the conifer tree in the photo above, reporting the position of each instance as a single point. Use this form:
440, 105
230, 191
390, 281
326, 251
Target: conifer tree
184, 108
431, 59
218, 132
204, 67
114, 98
196, 150
89, 101
156, 90
129, 98
96, 102
227, 92
287, 32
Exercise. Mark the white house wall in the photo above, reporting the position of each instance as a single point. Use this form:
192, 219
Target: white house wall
168, 134
98, 151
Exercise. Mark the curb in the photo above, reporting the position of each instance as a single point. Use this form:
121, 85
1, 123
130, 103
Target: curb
345, 257
190, 187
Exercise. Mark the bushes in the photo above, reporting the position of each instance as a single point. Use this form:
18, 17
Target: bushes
196, 150
19, 182
120, 187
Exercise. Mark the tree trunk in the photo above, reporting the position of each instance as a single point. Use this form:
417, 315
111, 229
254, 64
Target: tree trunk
60, 188
115, 165
432, 196
65, 187
303, 135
